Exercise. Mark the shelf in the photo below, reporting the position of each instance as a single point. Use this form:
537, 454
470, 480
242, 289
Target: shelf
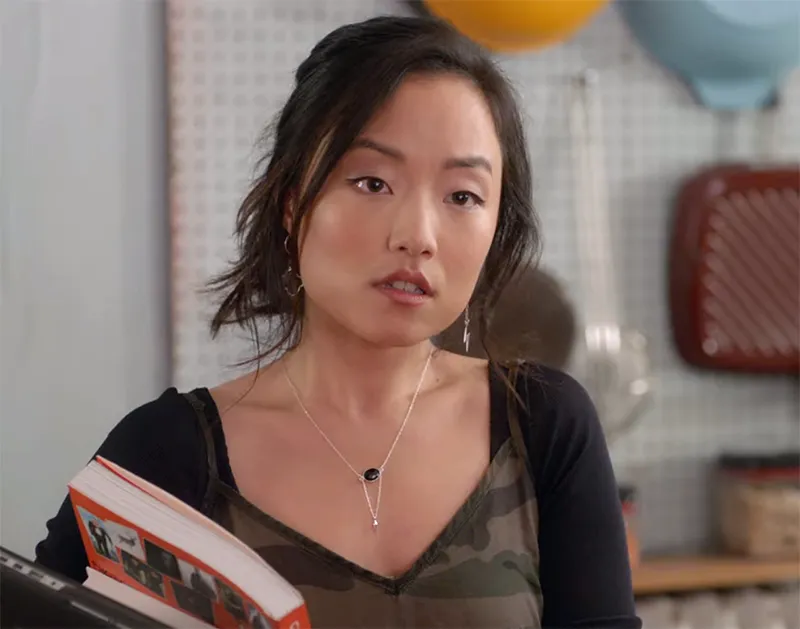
686, 574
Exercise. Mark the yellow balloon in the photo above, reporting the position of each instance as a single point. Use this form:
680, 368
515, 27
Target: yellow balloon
516, 25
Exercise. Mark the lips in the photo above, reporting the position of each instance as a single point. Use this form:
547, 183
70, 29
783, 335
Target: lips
408, 287
411, 282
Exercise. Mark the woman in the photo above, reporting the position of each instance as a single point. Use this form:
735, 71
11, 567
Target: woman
394, 484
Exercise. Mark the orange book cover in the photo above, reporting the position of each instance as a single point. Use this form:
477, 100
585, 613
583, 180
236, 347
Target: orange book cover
131, 555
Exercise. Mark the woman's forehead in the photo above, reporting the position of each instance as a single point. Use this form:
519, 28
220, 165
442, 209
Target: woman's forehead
440, 114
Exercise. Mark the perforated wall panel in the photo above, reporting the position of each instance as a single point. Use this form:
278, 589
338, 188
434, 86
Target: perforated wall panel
231, 65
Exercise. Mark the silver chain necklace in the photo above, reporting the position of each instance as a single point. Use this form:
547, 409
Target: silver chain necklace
372, 474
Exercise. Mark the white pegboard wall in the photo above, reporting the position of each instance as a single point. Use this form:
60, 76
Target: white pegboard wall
231, 66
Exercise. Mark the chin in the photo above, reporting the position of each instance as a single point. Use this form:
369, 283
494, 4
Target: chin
394, 336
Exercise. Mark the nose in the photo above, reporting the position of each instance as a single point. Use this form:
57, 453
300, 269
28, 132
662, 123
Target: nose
414, 226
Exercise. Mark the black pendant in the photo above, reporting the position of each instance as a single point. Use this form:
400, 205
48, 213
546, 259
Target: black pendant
372, 474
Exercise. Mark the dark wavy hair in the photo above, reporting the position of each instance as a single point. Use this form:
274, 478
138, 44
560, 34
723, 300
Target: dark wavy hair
339, 87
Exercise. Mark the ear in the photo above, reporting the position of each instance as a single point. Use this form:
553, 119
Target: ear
289, 211
288, 217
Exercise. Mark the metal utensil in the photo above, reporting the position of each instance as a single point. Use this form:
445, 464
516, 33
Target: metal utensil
609, 360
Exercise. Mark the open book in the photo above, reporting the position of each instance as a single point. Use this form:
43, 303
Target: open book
143, 537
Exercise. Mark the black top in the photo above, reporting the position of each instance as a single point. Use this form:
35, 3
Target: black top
584, 570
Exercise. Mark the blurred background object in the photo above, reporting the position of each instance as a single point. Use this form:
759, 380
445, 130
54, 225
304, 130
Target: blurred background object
734, 271
759, 504
734, 54
611, 360
533, 320
514, 25
627, 496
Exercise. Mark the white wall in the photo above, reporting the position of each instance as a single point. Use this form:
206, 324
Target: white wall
84, 299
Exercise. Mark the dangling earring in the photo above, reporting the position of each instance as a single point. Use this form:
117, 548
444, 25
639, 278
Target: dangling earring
288, 274
466, 329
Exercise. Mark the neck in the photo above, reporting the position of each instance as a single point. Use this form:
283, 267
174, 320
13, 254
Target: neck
352, 378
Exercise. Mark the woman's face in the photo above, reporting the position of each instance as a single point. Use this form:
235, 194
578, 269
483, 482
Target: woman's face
396, 241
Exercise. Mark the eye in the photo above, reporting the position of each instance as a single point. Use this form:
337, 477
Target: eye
371, 185
464, 198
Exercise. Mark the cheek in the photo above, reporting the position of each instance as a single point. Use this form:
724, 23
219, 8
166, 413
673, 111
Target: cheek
463, 257
335, 240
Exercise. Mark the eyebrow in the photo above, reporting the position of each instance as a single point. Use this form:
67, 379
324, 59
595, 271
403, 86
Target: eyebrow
472, 161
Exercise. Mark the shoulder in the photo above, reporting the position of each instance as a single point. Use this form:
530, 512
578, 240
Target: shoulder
163, 419
161, 441
552, 399
561, 428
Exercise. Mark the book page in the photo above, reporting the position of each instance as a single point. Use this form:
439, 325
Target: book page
172, 575
177, 505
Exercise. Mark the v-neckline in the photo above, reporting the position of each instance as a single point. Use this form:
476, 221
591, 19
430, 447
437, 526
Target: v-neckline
393, 585
462, 516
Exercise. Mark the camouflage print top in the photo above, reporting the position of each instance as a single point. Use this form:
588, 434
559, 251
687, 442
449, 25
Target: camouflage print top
536, 545
481, 571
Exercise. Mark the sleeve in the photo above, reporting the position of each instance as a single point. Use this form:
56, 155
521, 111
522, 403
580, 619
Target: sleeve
584, 567
159, 441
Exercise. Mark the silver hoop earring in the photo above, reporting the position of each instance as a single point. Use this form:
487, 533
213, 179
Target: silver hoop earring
287, 276
286, 280
466, 329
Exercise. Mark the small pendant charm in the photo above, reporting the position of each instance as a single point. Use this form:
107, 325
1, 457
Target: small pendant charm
374, 523
371, 475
